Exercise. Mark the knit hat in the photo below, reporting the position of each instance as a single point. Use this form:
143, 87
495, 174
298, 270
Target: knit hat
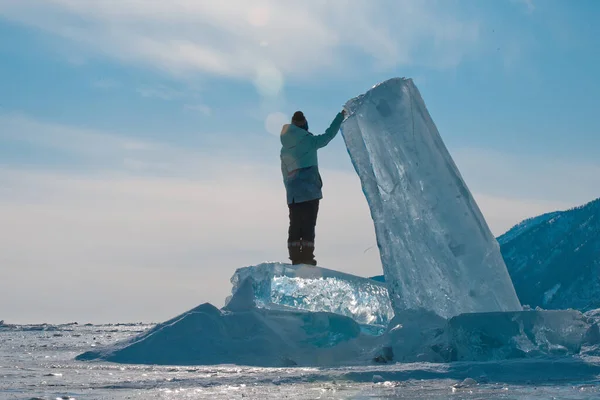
300, 120
298, 117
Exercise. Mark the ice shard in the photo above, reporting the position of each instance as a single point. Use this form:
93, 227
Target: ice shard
436, 248
424, 336
300, 287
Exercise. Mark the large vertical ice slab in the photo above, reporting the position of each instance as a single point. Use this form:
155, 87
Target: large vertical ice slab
436, 248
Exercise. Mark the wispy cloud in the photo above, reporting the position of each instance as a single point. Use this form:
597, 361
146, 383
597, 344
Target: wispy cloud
81, 141
265, 41
84, 141
99, 150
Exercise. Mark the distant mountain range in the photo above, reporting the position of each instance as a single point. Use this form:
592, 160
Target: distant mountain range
554, 259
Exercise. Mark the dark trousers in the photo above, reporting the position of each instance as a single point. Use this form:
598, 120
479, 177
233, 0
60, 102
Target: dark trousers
301, 233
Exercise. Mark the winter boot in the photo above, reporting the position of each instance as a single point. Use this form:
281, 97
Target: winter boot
295, 251
308, 253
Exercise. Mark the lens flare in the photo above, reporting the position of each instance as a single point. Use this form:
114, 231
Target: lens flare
268, 80
275, 121
259, 16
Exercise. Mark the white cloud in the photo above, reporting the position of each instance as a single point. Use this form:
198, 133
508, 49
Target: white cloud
265, 41
77, 140
93, 147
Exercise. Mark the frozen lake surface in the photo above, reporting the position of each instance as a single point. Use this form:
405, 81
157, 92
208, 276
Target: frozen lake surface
39, 364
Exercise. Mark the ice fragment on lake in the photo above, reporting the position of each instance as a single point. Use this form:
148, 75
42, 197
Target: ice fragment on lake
301, 287
525, 334
424, 336
436, 249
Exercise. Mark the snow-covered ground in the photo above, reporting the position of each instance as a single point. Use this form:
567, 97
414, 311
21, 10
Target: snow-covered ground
39, 364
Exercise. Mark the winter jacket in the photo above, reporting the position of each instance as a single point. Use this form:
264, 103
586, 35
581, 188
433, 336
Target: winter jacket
299, 164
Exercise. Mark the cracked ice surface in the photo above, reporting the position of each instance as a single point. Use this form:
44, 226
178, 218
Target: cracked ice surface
436, 248
308, 288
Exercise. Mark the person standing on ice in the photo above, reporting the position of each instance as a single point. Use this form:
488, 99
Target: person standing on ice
303, 184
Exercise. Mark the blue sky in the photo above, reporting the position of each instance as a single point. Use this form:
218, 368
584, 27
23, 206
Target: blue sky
138, 140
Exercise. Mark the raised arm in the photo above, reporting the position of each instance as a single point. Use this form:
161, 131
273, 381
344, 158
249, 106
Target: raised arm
324, 139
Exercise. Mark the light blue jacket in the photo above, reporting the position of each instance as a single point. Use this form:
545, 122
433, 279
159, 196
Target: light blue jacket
299, 163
